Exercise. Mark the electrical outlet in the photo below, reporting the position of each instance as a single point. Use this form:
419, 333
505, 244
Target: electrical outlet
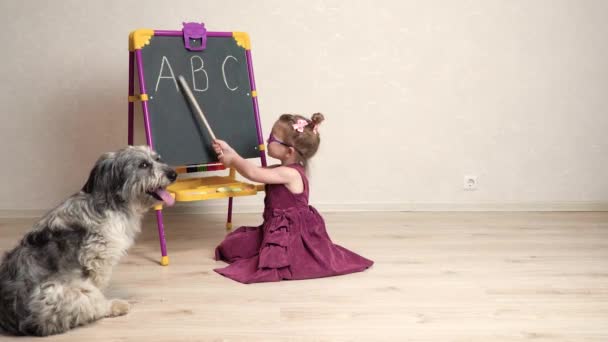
470, 183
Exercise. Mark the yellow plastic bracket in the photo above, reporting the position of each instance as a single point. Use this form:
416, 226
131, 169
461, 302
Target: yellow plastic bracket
228, 225
164, 261
254, 93
158, 207
138, 97
242, 40
140, 38
262, 147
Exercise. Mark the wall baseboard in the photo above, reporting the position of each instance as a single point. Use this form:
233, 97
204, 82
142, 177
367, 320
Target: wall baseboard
220, 208
414, 206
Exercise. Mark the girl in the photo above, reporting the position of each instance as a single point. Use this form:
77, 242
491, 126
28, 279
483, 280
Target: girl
292, 243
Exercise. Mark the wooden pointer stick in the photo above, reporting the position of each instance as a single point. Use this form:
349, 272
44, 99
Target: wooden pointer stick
194, 104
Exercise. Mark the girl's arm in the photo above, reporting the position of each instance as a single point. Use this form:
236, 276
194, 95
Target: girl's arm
276, 175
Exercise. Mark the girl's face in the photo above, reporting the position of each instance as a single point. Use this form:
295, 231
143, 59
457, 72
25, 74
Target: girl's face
276, 146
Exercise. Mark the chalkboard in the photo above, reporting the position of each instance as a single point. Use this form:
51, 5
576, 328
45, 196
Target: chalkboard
219, 78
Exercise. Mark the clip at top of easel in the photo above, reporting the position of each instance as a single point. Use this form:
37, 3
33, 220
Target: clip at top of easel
193, 33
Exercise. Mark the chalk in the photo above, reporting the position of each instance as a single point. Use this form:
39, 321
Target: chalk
228, 189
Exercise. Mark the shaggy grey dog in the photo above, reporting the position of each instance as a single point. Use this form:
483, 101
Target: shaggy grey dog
52, 280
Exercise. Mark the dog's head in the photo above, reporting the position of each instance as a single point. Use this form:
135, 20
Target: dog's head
133, 176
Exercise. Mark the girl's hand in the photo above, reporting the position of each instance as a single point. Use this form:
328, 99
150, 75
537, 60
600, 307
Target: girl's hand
224, 152
277, 175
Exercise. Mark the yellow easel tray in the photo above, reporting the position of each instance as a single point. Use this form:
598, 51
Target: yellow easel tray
197, 189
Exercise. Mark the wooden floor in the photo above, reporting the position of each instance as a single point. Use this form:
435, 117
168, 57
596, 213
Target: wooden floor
438, 277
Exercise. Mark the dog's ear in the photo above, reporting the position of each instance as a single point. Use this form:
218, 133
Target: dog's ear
102, 168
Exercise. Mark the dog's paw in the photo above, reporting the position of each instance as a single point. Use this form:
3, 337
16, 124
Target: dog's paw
119, 307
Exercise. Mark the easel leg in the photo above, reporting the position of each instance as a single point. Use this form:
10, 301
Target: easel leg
131, 93
229, 219
164, 260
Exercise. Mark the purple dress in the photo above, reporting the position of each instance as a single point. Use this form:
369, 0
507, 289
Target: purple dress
291, 244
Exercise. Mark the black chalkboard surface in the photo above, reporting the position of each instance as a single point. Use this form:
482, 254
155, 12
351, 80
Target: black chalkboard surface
218, 76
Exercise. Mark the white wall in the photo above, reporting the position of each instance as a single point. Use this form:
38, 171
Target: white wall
416, 95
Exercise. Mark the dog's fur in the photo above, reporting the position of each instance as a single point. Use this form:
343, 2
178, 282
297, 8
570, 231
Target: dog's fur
52, 280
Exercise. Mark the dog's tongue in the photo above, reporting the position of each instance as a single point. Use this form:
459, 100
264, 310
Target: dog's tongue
166, 196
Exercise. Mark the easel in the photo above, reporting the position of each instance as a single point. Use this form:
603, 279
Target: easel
200, 188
